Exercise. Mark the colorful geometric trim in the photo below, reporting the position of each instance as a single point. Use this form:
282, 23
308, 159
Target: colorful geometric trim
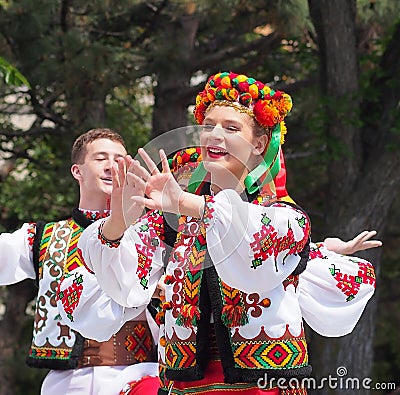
165, 383
74, 256
192, 232
49, 353
274, 354
105, 241
44, 244
234, 310
208, 210
139, 343
180, 355
218, 389
95, 215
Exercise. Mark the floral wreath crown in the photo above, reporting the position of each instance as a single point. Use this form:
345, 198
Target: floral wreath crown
267, 106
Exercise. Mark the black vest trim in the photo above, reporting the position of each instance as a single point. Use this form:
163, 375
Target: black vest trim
71, 363
80, 218
36, 249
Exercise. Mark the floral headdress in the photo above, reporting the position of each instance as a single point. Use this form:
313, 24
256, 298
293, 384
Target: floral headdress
267, 106
183, 164
188, 156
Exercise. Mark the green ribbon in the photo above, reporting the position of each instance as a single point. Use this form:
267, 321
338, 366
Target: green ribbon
269, 166
197, 177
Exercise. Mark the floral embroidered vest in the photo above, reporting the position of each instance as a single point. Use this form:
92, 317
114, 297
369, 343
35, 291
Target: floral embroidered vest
54, 345
205, 295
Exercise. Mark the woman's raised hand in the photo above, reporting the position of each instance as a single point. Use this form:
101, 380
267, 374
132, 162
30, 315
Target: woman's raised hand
162, 190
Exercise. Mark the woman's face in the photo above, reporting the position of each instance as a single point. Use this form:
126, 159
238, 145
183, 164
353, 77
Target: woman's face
228, 145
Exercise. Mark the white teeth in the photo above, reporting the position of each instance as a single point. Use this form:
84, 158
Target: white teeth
217, 151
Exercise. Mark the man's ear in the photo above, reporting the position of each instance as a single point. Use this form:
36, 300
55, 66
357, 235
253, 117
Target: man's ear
261, 144
76, 172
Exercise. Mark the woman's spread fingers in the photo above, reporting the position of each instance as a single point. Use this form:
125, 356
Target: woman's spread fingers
149, 162
164, 161
139, 170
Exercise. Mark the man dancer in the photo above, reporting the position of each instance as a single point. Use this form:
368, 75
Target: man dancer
41, 251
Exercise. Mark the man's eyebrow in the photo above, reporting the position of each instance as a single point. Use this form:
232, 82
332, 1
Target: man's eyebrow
106, 153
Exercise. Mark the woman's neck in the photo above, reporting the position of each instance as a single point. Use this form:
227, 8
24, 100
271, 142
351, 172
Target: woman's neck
218, 184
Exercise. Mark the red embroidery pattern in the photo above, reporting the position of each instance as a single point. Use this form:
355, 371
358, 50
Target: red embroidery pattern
95, 215
267, 243
208, 209
156, 221
315, 252
70, 297
145, 251
350, 284
31, 233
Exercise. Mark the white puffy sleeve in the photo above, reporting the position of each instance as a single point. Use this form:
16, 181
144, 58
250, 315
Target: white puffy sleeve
334, 290
86, 308
16, 262
127, 271
254, 248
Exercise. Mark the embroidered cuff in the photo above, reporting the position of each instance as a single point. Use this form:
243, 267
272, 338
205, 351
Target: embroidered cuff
208, 210
104, 240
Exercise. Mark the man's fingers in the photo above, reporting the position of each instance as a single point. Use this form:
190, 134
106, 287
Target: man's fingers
115, 176
136, 181
144, 202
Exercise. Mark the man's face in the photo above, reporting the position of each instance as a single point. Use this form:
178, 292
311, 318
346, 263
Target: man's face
94, 174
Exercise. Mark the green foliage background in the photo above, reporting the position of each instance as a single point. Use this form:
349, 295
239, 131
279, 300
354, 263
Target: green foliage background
101, 63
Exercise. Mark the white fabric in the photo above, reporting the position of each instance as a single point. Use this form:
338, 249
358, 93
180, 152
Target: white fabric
99, 316
231, 233
323, 305
116, 268
16, 256
230, 240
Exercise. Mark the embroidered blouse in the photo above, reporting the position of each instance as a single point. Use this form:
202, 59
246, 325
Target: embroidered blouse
253, 286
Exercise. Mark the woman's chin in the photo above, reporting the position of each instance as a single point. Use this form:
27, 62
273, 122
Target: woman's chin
214, 166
